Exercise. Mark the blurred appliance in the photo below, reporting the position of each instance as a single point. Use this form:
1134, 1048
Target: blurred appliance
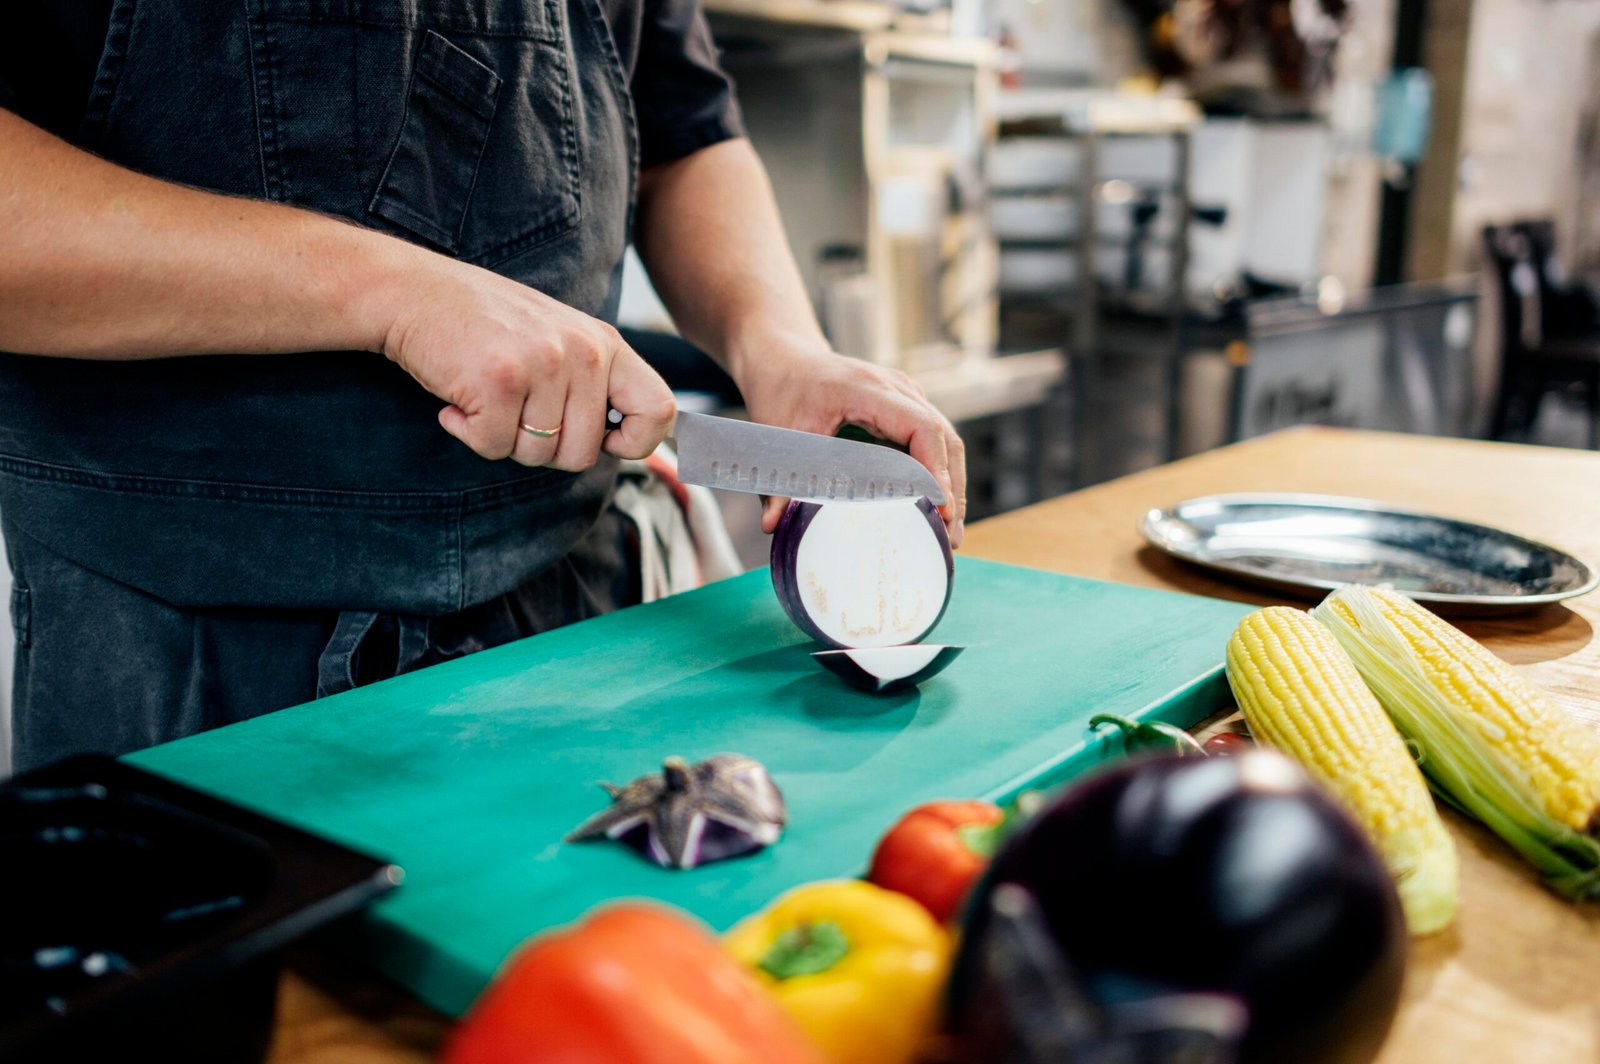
1270, 177
1396, 358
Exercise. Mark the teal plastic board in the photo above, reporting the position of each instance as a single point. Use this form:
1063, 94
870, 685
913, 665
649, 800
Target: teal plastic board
468, 774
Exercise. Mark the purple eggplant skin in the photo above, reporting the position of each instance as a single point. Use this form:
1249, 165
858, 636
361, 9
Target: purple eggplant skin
785, 565
1235, 876
785, 552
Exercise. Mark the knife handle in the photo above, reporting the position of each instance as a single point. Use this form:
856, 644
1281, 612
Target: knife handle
614, 418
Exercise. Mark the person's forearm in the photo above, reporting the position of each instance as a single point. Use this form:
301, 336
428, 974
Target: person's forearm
99, 262
710, 235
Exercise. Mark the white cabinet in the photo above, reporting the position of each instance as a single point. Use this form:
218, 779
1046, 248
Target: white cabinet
874, 140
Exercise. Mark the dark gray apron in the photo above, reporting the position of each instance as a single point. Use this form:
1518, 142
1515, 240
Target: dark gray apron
201, 540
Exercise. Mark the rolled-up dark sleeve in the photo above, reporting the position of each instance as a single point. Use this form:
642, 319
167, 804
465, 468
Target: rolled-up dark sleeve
683, 98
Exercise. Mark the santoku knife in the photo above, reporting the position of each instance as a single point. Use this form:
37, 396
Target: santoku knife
735, 455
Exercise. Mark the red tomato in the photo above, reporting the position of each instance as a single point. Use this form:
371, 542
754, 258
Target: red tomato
1227, 743
930, 854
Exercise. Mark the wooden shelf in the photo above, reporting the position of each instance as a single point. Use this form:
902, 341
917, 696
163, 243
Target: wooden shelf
855, 16
1097, 111
983, 387
886, 33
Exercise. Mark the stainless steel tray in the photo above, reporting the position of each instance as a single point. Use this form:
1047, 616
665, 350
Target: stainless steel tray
1310, 544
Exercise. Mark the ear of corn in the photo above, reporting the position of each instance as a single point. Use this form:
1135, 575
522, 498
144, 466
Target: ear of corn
1492, 744
1301, 694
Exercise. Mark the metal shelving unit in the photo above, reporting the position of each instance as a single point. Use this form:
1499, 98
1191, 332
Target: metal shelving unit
1066, 152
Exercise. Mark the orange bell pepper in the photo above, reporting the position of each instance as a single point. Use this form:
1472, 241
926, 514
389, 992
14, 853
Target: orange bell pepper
634, 984
936, 851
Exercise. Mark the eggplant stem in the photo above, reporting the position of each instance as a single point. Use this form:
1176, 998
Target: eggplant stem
675, 771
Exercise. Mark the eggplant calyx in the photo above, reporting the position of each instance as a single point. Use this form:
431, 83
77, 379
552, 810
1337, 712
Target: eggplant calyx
806, 949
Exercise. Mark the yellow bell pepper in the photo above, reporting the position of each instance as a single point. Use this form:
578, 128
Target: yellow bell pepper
860, 968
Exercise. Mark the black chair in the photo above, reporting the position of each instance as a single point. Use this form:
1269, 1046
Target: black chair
1549, 330
1569, 309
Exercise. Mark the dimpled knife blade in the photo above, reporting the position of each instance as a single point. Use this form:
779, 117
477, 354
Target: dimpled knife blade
739, 456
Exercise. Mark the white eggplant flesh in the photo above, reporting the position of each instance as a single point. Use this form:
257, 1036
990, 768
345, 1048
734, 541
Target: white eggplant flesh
856, 575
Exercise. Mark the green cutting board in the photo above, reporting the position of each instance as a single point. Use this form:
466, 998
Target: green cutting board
468, 774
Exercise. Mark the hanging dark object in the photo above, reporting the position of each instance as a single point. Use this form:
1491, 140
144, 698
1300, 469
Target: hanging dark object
1187, 39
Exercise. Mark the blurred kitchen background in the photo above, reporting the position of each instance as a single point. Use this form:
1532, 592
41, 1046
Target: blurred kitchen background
1105, 234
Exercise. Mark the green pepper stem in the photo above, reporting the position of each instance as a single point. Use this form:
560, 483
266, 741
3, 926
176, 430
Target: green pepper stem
983, 839
1150, 735
806, 949
1127, 726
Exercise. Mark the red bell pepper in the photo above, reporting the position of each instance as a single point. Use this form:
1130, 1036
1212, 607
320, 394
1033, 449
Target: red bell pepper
634, 984
936, 851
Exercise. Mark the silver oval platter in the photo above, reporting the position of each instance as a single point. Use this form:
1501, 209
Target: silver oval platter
1309, 544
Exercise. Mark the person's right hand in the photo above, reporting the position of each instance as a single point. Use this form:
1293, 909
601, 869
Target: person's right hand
504, 356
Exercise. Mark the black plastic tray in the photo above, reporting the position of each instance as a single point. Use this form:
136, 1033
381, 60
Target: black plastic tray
141, 918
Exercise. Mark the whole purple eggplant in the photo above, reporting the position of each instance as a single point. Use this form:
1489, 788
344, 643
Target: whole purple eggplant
1220, 876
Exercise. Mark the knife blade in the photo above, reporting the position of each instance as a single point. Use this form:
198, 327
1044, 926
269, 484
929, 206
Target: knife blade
735, 455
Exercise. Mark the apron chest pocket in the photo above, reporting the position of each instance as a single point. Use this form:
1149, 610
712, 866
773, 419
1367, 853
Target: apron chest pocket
447, 121
428, 182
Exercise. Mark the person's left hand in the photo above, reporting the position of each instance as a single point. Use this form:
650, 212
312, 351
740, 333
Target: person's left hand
816, 390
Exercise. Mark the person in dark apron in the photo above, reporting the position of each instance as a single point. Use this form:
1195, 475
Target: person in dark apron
293, 190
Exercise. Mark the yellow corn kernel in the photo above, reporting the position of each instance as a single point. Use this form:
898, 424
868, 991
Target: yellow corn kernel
1557, 753
1301, 693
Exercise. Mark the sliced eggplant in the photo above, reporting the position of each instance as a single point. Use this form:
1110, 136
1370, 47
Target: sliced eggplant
877, 669
863, 574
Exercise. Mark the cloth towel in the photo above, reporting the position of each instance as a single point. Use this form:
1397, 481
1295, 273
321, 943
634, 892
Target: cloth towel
683, 541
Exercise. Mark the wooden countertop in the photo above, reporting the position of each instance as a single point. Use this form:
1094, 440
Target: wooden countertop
1514, 980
